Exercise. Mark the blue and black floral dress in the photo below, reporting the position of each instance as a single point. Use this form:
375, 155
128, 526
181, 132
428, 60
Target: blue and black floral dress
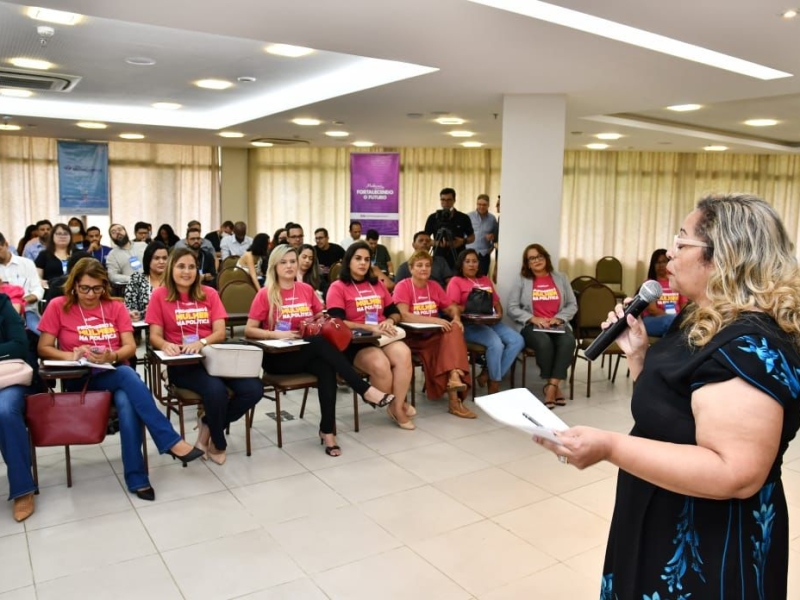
666, 546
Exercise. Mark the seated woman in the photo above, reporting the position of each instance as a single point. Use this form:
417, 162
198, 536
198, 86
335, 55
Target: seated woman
444, 352
660, 314
277, 312
278, 238
308, 270
78, 231
167, 236
52, 261
364, 303
502, 343
253, 259
142, 283
184, 317
87, 323
542, 300
14, 444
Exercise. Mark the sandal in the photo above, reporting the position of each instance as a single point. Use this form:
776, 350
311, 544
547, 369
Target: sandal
551, 404
483, 378
561, 401
385, 401
329, 450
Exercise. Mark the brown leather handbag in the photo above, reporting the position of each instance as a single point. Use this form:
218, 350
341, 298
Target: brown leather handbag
332, 329
68, 418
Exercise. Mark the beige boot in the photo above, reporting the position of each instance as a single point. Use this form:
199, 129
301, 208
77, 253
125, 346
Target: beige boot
458, 409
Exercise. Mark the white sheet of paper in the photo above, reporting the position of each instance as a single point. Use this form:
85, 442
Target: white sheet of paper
280, 343
167, 358
82, 362
138, 324
507, 407
421, 325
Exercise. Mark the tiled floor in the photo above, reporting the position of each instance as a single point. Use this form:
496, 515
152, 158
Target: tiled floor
457, 509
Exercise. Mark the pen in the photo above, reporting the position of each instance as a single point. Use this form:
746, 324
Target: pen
532, 420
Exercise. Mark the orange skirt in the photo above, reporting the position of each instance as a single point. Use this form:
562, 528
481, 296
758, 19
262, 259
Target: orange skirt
441, 353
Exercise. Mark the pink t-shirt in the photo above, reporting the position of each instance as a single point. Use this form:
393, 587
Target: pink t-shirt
298, 304
459, 288
100, 326
425, 301
670, 301
185, 320
545, 298
358, 300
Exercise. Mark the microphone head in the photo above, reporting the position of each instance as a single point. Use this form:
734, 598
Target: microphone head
650, 291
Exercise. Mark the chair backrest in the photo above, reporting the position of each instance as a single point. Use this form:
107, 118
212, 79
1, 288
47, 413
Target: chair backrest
580, 283
594, 304
336, 268
237, 296
229, 262
228, 274
609, 270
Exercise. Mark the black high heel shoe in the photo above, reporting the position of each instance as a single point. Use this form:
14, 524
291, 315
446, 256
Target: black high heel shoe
193, 454
385, 401
147, 493
329, 450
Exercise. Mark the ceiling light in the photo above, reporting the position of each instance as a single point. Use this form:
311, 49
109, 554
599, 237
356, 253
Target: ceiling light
9, 127
306, 122
231, 134
213, 84
262, 144
461, 133
631, 35
450, 121
14, 93
288, 50
715, 148
608, 136
789, 14
337, 133
472, 144
597, 146
363, 144
167, 105
91, 125
131, 136
54, 16
140, 61
761, 122
685, 107
31, 63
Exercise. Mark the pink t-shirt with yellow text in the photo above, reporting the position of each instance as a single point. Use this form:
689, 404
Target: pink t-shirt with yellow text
458, 288
545, 298
101, 326
425, 301
359, 299
185, 319
297, 305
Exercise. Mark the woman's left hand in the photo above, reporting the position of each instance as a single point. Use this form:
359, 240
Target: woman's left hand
193, 348
459, 324
387, 327
581, 446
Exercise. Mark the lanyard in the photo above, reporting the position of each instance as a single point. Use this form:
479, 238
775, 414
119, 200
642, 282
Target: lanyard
103, 315
196, 324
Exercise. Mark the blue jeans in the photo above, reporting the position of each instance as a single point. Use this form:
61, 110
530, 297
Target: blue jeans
14, 443
658, 326
503, 344
135, 405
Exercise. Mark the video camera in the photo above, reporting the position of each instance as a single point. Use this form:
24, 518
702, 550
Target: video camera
443, 231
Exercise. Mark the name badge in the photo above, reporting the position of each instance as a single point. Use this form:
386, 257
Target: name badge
190, 339
136, 264
372, 317
283, 326
64, 264
669, 308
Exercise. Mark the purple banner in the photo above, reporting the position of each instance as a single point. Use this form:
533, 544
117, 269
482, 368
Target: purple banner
375, 191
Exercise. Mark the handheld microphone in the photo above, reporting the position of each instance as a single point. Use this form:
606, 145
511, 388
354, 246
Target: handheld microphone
649, 292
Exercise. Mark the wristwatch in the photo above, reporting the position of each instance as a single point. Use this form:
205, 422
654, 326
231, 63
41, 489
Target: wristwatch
203, 341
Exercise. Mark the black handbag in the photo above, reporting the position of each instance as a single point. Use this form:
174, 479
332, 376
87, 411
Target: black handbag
479, 302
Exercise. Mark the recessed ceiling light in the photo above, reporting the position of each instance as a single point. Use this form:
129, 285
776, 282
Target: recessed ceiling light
626, 34
288, 50
54, 16
13, 93
131, 136
608, 136
31, 63
685, 107
306, 122
167, 105
597, 146
91, 125
336, 133
246, 79
458, 133
9, 127
262, 144
789, 14
140, 61
761, 122
213, 84
715, 148
231, 134
450, 121
472, 144
363, 144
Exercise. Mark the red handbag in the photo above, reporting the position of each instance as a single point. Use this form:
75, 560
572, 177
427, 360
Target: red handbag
332, 329
68, 418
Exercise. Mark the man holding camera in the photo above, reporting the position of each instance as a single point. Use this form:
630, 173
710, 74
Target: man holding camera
449, 228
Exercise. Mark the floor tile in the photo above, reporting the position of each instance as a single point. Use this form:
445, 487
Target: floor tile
448, 427
174, 482
558, 582
368, 479
438, 461
596, 497
589, 563
25, 593
264, 464
312, 456
546, 472
299, 589
499, 446
16, 563
390, 439
88, 462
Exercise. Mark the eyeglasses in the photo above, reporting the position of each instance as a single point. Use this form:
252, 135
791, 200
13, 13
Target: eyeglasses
319, 238
535, 258
94, 289
679, 242
296, 237
62, 233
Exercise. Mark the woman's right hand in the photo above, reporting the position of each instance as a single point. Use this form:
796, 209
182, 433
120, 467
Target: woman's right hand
633, 340
285, 335
135, 315
171, 349
540, 322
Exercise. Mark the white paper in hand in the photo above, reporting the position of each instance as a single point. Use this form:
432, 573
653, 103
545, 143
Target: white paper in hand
510, 406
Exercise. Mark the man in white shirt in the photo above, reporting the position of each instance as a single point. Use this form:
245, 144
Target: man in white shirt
126, 257
18, 270
236, 244
355, 234
484, 224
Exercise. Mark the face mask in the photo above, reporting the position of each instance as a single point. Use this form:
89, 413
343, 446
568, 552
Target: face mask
75, 229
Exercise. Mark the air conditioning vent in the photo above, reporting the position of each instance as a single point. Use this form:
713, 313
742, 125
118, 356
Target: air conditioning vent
37, 81
281, 141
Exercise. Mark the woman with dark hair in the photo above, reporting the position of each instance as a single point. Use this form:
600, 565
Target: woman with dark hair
185, 316
31, 231
78, 231
502, 343
254, 257
308, 269
365, 303
660, 313
141, 284
167, 236
52, 261
87, 323
542, 303
279, 237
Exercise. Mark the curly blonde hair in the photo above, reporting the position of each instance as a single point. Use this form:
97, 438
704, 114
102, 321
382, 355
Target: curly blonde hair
754, 267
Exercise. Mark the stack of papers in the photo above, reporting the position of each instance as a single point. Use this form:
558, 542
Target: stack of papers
280, 343
166, 357
81, 362
511, 406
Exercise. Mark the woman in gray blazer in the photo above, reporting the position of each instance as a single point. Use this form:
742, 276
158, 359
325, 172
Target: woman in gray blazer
542, 303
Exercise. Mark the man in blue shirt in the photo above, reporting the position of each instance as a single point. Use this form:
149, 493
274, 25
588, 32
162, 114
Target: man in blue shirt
485, 225
36, 245
93, 245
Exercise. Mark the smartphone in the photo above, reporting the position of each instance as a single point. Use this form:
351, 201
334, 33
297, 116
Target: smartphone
361, 332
